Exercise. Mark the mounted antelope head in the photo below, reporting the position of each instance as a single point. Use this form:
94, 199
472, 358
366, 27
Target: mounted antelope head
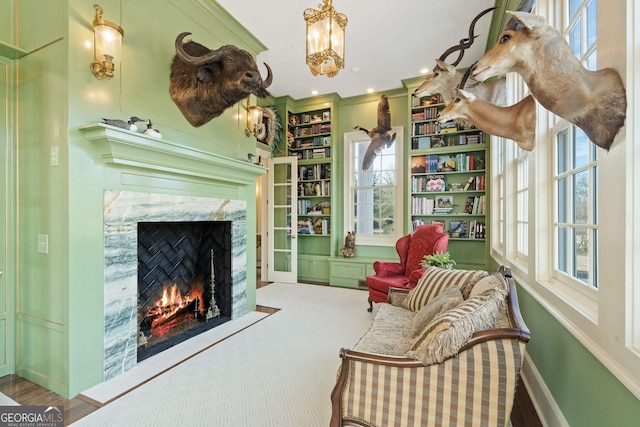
595, 101
445, 79
517, 122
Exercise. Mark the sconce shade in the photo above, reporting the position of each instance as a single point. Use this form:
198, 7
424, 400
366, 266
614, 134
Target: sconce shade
325, 40
254, 120
107, 42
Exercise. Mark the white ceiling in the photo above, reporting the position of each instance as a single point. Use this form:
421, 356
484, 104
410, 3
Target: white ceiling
386, 41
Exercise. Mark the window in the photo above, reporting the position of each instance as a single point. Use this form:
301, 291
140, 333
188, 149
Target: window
522, 203
499, 190
373, 198
575, 194
575, 230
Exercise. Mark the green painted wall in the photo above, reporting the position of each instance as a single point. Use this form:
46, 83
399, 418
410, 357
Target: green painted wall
587, 393
59, 337
59, 324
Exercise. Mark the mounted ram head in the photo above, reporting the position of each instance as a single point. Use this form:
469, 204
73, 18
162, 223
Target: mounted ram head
595, 101
206, 82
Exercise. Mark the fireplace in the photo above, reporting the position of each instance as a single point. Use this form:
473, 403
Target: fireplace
184, 281
126, 213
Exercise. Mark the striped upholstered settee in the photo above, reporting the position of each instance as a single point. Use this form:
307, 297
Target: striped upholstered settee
425, 362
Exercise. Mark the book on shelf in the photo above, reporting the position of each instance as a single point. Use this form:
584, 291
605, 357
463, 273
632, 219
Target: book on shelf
422, 205
475, 205
458, 228
418, 164
444, 202
455, 186
420, 142
447, 163
447, 127
435, 183
476, 230
425, 101
468, 185
438, 222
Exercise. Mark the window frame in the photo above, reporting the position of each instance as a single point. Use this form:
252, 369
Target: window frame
350, 139
609, 326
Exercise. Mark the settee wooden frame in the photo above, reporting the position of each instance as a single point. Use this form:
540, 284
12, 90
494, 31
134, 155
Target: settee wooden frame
519, 332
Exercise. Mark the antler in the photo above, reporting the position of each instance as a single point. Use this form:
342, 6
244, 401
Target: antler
466, 42
466, 75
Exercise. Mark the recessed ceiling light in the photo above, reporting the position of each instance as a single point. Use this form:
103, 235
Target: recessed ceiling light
370, 90
424, 71
314, 92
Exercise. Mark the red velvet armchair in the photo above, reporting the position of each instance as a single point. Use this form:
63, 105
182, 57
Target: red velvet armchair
424, 240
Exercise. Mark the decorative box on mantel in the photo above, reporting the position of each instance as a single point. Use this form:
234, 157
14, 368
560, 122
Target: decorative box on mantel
125, 208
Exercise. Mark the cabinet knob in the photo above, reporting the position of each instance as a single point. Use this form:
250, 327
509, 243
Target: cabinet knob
0, 273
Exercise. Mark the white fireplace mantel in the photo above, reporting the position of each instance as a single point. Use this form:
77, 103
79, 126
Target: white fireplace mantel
128, 148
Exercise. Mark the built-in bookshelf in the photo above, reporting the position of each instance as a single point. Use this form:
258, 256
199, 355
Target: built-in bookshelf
309, 133
448, 178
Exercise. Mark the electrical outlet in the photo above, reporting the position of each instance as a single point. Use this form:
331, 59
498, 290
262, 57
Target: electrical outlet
43, 243
54, 155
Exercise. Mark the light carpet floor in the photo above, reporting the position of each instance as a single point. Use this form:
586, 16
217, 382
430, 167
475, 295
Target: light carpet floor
7, 401
278, 372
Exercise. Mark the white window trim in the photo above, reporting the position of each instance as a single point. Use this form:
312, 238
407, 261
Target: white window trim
350, 138
610, 331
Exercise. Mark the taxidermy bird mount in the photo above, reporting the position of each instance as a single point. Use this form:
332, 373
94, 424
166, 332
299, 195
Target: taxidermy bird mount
129, 125
380, 136
150, 131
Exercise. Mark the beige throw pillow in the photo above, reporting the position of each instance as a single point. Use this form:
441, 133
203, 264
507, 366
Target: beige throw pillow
436, 280
449, 331
443, 302
489, 282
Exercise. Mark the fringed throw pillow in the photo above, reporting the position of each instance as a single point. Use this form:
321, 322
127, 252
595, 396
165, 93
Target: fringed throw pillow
436, 280
450, 330
443, 302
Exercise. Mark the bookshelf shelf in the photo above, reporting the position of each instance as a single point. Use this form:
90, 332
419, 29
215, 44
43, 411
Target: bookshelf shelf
447, 178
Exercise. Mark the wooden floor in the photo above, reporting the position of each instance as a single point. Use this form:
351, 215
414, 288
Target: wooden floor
27, 393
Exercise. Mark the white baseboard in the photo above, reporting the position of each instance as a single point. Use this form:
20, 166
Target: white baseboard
546, 407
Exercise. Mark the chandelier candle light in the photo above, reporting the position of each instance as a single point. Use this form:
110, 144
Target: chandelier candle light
325, 39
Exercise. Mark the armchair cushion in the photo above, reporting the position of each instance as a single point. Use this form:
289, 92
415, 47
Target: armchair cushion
436, 280
450, 330
443, 302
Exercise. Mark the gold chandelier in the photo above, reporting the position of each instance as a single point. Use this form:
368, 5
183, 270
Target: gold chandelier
325, 40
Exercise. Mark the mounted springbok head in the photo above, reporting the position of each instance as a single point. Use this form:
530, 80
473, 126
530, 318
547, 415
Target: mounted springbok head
595, 101
517, 122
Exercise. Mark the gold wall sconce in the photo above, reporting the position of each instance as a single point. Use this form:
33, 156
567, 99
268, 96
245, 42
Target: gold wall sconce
255, 126
325, 40
107, 42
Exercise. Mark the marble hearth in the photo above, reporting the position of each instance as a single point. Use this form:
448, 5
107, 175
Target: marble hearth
123, 210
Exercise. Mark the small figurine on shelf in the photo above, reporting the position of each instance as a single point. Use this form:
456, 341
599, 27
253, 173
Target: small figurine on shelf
150, 131
349, 250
